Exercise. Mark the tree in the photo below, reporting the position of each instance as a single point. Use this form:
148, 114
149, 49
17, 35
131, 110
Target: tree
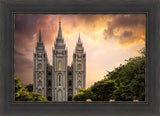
29, 87
83, 95
130, 79
103, 90
100, 91
18, 84
124, 83
22, 94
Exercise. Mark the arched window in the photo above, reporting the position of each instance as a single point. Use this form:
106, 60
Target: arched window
39, 66
70, 73
39, 83
70, 90
59, 95
70, 83
39, 54
49, 73
40, 75
40, 91
79, 67
60, 79
79, 84
49, 90
59, 65
79, 76
49, 83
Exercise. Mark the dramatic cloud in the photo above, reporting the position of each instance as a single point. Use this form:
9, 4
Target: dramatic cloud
127, 34
109, 38
127, 29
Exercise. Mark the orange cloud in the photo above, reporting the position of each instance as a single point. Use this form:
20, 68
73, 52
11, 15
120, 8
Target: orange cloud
126, 29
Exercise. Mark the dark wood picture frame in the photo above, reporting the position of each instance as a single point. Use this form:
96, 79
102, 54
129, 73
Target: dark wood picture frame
148, 108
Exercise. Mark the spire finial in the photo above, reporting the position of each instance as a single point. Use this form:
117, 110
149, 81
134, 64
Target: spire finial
40, 36
79, 34
59, 19
59, 31
79, 39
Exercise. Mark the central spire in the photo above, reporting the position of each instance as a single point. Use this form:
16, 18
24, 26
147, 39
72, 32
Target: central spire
60, 31
79, 39
40, 36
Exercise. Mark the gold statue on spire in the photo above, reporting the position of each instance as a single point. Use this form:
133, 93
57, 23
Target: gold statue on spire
59, 19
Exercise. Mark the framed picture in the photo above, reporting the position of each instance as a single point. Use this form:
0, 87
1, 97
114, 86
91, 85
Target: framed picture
79, 58
52, 68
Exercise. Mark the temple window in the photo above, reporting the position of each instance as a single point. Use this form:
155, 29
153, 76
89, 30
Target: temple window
60, 79
39, 66
39, 83
60, 65
79, 76
39, 75
79, 67
49, 83
79, 84
70, 83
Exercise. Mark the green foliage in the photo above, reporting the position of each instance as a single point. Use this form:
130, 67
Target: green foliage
103, 90
18, 84
130, 80
124, 83
22, 94
29, 87
100, 91
83, 95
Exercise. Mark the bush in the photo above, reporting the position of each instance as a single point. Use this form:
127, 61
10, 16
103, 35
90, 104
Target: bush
22, 94
124, 83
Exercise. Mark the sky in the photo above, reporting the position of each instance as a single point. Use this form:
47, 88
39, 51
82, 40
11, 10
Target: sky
107, 39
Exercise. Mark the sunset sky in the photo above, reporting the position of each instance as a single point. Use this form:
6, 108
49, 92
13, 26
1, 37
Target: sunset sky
107, 39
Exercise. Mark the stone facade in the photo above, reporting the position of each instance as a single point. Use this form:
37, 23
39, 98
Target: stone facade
49, 82
59, 82
40, 68
70, 82
79, 67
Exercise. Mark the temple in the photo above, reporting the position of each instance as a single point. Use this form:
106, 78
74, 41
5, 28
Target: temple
59, 82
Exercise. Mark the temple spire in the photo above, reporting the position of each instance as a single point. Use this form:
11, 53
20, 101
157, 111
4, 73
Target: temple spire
79, 39
60, 31
40, 39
